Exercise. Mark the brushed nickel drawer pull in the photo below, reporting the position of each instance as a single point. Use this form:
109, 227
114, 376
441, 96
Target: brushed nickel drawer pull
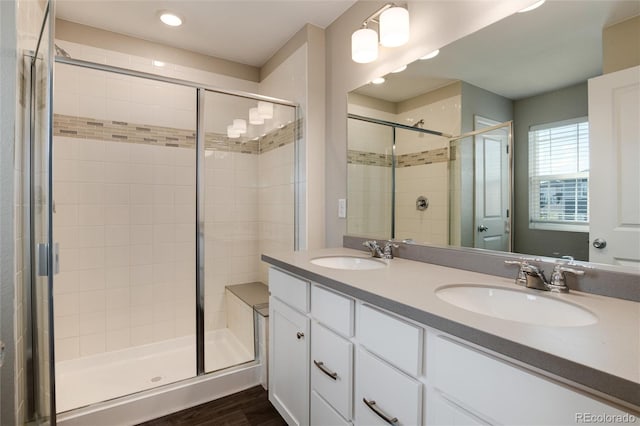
372, 405
325, 370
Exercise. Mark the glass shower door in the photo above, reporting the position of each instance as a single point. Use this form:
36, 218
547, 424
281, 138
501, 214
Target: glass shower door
248, 184
43, 254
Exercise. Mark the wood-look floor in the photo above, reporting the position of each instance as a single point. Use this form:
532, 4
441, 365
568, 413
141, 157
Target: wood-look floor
247, 408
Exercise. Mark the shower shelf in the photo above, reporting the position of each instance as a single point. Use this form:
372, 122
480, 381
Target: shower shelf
254, 294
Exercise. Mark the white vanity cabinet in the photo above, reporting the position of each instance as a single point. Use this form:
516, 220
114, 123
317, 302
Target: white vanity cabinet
338, 361
289, 337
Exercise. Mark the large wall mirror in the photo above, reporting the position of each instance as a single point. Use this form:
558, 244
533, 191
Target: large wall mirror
524, 184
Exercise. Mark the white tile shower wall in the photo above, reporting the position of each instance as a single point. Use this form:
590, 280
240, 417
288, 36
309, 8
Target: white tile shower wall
125, 220
430, 225
276, 201
81, 92
429, 180
231, 228
369, 185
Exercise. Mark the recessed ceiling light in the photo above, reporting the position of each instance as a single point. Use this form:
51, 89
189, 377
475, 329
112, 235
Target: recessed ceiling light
378, 80
431, 55
170, 19
533, 6
402, 68
158, 63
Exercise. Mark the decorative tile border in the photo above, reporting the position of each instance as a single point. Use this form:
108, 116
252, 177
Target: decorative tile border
369, 158
439, 155
279, 137
405, 160
120, 131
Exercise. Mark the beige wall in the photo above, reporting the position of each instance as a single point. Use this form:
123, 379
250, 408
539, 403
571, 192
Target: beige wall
297, 73
95, 37
434, 25
621, 45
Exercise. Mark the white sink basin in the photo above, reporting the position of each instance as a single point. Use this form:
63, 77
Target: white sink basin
349, 262
516, 305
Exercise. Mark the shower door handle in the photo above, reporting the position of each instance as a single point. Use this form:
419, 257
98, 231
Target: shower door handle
2, 348
43, 259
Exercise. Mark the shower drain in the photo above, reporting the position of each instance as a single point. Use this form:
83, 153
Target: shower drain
156, 379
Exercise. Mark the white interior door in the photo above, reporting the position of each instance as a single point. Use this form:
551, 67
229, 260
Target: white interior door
614, 176
492, 230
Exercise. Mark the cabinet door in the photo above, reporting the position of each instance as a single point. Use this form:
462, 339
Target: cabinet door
289, 362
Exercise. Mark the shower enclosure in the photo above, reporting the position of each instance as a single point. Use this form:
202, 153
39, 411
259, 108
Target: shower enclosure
148, 208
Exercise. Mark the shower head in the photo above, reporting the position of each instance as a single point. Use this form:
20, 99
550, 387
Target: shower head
61, 52
419, 123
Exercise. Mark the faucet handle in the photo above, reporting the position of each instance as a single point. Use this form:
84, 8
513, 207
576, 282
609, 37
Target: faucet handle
521, 279
558, 282
523, 263
388, 249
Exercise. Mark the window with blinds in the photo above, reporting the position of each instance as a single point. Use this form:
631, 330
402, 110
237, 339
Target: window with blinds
559, 176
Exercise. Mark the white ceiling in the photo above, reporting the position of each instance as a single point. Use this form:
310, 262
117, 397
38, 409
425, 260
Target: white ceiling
244, 31
552, 47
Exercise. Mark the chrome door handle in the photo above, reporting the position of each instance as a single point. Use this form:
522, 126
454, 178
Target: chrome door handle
2, 348
599, 243
325, 370
387, 418
482, 228
299, 335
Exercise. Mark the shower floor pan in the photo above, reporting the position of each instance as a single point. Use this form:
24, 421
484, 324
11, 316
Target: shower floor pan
96, 378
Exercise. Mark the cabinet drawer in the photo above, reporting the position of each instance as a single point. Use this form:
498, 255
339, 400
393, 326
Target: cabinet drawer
391, 338
291, 290
333, 310
500, 392
323, 415
387, 390
331, 355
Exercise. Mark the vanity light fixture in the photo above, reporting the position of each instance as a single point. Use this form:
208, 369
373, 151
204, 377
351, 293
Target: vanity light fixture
532, 7
402, 68
430, 55
393, 25
170, 19
378, 80
364, 45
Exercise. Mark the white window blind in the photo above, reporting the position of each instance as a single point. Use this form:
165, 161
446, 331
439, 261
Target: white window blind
559, 176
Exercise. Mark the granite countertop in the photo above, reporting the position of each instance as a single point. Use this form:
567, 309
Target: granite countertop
604, 356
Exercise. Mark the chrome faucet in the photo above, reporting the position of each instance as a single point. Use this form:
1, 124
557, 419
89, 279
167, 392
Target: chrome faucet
532, 276
385, 252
